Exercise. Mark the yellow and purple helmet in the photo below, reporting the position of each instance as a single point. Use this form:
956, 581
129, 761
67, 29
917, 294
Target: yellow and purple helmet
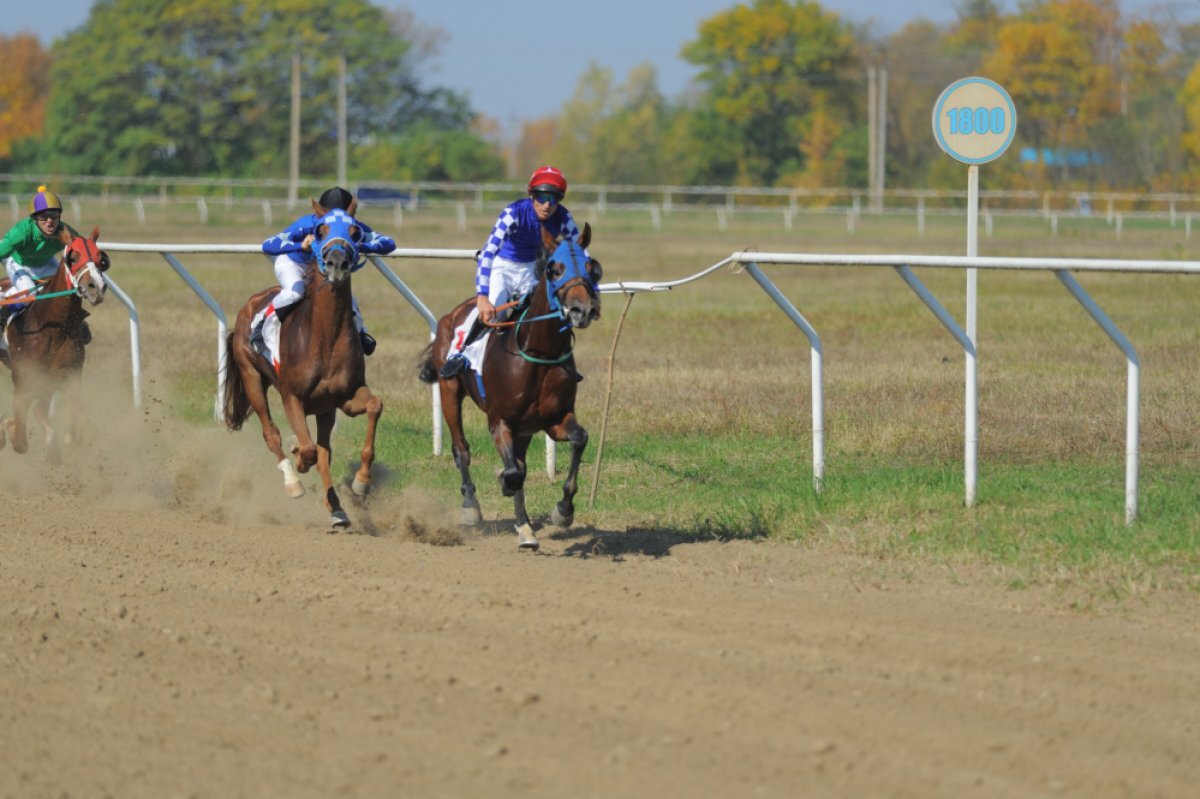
44, 200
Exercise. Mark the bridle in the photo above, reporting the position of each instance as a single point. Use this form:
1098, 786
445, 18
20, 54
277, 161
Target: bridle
575, 272
88, 264
338, 229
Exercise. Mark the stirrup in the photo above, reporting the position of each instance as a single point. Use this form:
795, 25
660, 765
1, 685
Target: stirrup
85, 333
453, 366
368, 342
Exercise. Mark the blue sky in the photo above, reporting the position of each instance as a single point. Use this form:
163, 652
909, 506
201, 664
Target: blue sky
490, 54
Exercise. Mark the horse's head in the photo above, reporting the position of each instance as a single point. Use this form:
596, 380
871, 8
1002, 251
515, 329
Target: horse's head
336, 244
573, 278
85, 264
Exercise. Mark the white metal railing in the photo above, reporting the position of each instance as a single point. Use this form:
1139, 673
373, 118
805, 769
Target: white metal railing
752, 263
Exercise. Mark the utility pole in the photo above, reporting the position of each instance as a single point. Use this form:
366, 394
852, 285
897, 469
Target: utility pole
872, 124
341, 122
881, 139
294, 145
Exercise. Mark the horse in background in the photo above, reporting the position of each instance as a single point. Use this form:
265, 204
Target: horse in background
47, 342
528, 379
321, 366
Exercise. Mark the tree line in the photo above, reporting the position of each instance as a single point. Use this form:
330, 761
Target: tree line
201, 88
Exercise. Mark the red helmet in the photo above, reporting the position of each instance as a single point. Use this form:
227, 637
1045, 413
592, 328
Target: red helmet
548, 178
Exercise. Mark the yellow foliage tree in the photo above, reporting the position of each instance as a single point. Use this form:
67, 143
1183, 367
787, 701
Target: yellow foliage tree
24, 79
1057, 60
1189, 99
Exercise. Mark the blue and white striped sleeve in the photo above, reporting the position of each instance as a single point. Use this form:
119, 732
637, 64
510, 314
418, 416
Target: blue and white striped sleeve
504, 226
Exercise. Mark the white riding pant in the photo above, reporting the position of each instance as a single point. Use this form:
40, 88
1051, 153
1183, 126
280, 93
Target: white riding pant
24, 277
291, 290
510, 280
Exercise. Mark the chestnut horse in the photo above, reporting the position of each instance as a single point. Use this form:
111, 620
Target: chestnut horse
47, 341
321, 366
528, 381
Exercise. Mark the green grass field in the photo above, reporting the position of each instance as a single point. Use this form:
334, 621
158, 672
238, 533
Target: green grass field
710, 429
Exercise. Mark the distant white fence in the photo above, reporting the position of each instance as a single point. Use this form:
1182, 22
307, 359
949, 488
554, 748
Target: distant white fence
657, 200
752, 263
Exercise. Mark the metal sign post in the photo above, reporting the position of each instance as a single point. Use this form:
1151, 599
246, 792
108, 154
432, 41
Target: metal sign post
974, 121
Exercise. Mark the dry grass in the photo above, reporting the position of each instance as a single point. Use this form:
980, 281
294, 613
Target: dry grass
718, 357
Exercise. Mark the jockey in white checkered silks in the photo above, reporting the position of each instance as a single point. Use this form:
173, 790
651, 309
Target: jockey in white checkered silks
293, 255
506, 265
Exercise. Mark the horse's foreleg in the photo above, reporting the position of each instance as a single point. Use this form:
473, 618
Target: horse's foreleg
338, 517
365, 402
71, 410
452, 400
306, 450
39, 411
569, 430
512, 481
256, 391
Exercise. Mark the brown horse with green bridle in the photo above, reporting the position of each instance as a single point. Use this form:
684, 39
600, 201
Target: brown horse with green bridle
47, 342
528, 379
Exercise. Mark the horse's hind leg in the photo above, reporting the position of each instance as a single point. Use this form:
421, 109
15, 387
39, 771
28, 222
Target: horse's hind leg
338, 517
365, 402
569, 430
15, 427
452, 399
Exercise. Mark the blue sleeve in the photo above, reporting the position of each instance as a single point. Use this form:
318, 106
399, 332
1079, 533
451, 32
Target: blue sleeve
505, 224
290, 240
373, 242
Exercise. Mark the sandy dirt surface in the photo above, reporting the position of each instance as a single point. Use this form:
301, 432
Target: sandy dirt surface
170, 625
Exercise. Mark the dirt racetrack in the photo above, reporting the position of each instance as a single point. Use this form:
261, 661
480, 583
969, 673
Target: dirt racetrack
171, 627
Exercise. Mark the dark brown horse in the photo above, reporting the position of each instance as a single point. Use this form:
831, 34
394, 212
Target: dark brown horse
321, 366
529, 379
47, 342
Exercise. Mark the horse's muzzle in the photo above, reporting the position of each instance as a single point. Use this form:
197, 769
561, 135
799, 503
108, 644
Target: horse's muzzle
581, 314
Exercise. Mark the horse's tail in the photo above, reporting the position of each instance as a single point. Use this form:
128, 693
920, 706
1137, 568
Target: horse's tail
425, 370
236, 402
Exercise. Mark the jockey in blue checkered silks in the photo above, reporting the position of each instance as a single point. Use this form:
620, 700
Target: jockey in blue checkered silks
506, 265
293, 255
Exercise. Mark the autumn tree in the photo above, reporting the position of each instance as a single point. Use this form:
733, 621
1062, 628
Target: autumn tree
24, 79
1057, 60
782, 90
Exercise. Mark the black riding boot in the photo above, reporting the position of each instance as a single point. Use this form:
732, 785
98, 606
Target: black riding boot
456, 363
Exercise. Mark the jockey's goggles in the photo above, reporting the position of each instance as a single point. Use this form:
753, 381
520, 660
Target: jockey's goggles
545, 197
47, 216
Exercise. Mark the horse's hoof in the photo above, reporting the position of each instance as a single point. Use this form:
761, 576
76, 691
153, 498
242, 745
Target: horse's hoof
560, 520
291, 480
294, 490
526, 539
339, 520
360, 488
471, 517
